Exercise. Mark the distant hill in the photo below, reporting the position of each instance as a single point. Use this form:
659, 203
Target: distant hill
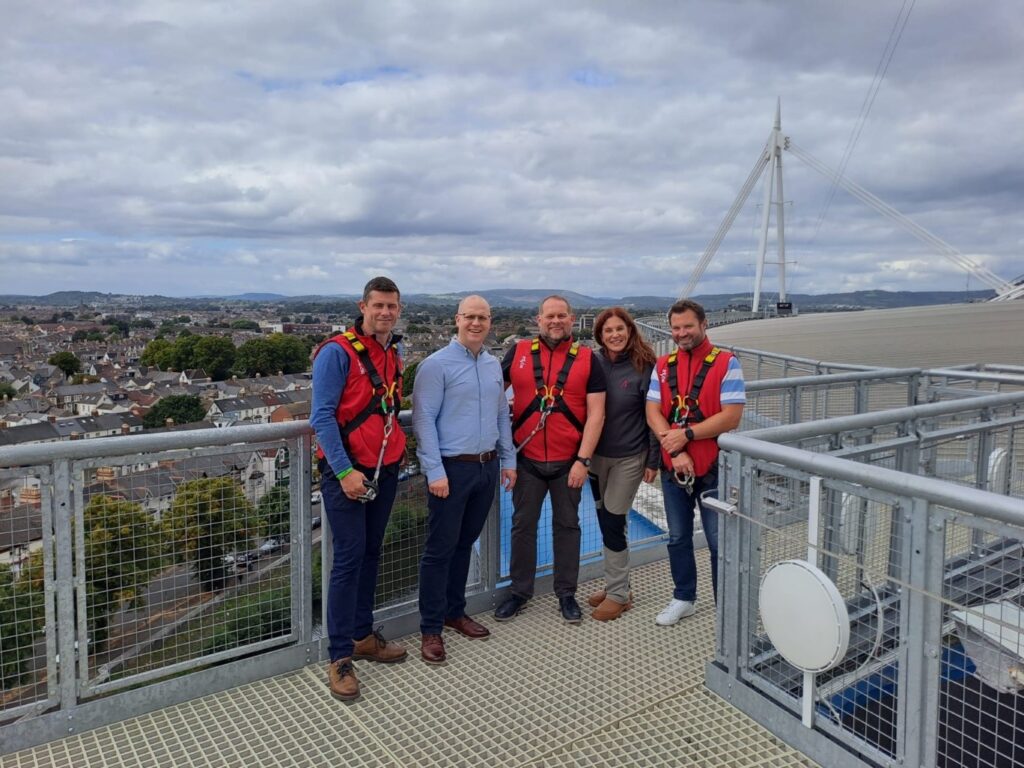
518, 298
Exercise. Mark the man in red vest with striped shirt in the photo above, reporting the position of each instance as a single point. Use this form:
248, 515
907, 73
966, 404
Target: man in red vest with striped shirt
557, 415
696, 394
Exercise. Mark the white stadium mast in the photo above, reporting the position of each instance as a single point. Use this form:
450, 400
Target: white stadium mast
771, 155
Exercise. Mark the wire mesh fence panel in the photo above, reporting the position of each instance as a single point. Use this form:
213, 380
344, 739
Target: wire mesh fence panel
981, 704
181, 558
860, 546
404, 539
28, 675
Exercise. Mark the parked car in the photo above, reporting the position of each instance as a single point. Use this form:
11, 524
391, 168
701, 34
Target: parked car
316, 521
246, 560
316, 497
270, 546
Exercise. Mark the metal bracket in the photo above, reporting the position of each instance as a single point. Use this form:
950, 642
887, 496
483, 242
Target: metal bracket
720, 506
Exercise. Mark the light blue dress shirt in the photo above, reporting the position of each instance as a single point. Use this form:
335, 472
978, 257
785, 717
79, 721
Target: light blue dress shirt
459, 406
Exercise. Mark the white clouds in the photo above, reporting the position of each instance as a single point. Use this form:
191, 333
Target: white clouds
463, 146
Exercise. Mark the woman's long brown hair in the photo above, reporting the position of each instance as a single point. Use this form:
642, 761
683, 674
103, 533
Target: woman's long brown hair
638, 350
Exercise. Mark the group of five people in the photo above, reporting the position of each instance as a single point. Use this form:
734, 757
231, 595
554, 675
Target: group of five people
552, 416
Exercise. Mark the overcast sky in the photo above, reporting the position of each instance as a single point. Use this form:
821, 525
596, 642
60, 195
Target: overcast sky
189, 148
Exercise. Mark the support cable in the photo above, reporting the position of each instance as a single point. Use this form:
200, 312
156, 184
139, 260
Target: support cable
865, 108
985, 275
730, 217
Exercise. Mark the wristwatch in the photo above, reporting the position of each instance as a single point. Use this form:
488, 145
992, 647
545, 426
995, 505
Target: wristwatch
584, 462
689, 434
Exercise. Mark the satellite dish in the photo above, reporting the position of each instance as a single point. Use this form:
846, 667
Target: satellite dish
999, 471
804, 615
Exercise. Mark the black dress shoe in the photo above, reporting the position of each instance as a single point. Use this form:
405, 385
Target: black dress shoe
570, 609
510, 608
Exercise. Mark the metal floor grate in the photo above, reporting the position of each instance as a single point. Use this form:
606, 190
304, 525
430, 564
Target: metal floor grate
538, 692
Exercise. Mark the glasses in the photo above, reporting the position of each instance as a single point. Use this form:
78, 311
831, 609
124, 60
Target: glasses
475, 318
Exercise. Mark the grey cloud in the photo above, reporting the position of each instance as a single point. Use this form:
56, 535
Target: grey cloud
562, 145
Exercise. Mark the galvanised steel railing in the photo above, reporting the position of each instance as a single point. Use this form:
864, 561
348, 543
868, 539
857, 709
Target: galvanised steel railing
931, 573
140, 571
144, 570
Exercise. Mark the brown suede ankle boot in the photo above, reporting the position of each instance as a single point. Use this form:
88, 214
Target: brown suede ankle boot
341, 677
374, 647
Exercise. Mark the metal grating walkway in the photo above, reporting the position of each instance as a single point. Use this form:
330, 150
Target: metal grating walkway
537, 693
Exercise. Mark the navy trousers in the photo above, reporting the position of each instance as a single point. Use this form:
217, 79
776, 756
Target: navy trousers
358, 531
454, 524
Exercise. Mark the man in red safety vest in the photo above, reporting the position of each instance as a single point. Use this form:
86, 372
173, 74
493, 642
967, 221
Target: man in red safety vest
557, 415
696, 394
357, 393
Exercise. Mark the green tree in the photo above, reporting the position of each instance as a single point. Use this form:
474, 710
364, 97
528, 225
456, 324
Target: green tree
215, 355
184, 409
276, 352
21, 618
408, 379
209, 518
274, 512
122, 553
7, 391
245, 325
158, 352
253, 618
66, 361
184, 355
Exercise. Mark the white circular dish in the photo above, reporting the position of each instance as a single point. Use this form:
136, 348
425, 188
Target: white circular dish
804, 615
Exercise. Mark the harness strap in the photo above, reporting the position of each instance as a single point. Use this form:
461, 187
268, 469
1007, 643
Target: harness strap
382, 401
687, 410
550, 398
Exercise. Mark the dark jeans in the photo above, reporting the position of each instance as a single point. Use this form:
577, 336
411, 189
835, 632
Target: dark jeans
679, 509
358, 531
454, 524
533, 482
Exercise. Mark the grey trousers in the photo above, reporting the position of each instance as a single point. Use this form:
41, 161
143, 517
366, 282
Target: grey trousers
533, 482
617, 480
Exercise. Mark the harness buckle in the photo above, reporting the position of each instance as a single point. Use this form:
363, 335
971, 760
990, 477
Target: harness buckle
372, 489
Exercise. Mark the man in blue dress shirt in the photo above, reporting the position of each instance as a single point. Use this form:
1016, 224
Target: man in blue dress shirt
463, 434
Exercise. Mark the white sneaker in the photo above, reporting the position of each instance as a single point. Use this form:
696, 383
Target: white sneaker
676, 610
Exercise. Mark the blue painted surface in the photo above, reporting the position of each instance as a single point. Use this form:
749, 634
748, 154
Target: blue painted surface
956, 665
590, 540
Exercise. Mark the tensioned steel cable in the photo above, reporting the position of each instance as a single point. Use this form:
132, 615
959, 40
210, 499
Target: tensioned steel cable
895, 35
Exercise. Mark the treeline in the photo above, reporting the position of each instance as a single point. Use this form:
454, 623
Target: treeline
219, 357
125, 549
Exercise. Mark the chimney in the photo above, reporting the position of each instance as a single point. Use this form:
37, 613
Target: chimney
168, 422
52, 419
280, 373
95, 412
125, 429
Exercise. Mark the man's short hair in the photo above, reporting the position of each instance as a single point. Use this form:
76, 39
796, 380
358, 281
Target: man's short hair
556, 296
687, 305
381, 284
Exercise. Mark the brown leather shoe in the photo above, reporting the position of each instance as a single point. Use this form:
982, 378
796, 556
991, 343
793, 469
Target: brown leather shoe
467, 627
432, 649
341, 677
598, 597
374, 647
610, 609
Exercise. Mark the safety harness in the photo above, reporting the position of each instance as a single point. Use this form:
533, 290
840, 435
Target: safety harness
382, 401
548, 399
686, 410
